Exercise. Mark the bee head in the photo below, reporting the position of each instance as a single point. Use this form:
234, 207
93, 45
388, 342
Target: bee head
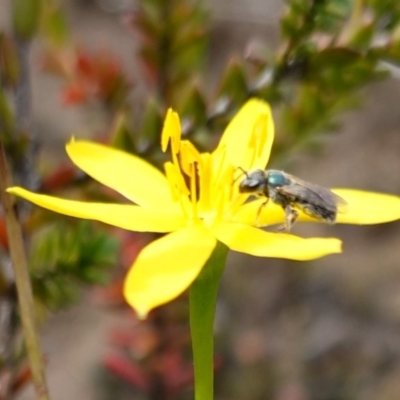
254, 182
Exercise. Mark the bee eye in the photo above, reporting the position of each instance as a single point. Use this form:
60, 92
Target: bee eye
249, 185
252, 183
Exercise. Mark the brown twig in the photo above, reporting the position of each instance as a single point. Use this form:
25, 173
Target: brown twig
22, 280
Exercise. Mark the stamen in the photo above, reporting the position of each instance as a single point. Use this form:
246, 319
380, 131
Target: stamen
179, 177
188, 155
178, 187
231, 185
171, 132
205, 179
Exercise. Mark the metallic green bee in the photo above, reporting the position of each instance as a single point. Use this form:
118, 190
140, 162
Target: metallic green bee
292, 194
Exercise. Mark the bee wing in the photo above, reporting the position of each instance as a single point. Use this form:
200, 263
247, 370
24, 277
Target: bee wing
314, 194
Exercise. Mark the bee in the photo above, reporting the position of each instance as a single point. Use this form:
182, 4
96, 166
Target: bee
292, 194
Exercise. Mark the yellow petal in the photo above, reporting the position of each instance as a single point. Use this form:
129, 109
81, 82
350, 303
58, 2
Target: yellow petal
254, 241
365, 208
248, 138
124, 216
129, 175
167, 267
270, 213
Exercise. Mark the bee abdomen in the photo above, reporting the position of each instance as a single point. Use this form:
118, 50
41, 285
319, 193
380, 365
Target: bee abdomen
318, 212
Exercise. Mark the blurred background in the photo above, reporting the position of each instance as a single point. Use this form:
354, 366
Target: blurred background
322, 330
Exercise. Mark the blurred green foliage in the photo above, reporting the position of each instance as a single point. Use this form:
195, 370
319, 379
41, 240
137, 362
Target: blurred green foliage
53, 24
330, 49
68, 256
174, 38
26, 15
328, 52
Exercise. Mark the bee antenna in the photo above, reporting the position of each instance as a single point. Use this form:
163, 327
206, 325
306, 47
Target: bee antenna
243, 172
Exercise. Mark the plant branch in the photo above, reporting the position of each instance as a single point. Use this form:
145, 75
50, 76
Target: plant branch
22, 280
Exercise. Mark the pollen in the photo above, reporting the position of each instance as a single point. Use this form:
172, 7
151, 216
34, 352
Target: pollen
171, 132
188, 156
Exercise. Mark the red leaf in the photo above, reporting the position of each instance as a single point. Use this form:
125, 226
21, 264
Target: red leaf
3, 234
59, 178
127, 370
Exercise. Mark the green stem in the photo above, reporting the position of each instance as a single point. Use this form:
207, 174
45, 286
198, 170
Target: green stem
203, 298
22, 281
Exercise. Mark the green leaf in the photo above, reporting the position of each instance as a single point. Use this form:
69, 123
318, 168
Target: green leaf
54, 24
340, 70
188, 50
386, 9
339, 8
7, 122
121, 136
388, 53
362, 38
194, 107
9, 63
64, 257
148, 24
290, 25
234, 83
152, 122
26, 15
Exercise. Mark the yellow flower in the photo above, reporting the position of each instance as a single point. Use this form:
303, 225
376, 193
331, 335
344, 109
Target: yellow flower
198, 204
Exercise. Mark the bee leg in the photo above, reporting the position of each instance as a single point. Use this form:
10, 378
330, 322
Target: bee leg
291, 217
259, 211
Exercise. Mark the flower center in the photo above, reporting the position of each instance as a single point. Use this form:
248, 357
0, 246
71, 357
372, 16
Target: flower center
203, 184
182, 172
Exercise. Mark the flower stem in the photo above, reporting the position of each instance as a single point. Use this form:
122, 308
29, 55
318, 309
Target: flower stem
22, 281
203, 298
